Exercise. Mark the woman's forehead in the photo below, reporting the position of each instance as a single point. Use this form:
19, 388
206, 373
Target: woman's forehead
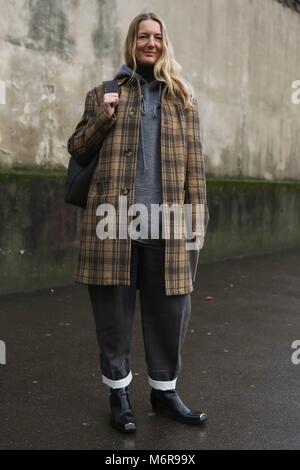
149, 26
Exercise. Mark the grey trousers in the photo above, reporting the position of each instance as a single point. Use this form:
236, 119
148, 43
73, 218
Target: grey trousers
164, 321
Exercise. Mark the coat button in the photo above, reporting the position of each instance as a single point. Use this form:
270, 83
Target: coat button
128, 153
132, 112
125, 191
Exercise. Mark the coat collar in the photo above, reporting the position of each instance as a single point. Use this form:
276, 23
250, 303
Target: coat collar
120, 82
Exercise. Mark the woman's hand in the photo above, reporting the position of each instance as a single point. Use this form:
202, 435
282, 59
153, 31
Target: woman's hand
110, 102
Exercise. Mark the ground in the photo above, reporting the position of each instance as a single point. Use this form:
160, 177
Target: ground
236, 366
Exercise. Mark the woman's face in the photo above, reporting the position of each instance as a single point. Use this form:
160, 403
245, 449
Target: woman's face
149, 42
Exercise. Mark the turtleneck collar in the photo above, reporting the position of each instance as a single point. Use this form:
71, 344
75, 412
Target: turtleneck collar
146, 71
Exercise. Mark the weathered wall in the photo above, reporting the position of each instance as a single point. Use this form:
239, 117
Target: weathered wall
241, 56
51, 53
39, 233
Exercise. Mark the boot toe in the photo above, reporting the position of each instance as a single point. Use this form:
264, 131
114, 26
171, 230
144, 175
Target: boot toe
130, 427
170, 404
122, 417
125, 427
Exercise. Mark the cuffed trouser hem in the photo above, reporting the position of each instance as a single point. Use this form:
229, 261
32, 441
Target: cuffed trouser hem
117, 383
162, 385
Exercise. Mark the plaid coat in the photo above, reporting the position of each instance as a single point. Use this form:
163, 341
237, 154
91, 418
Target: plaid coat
107, 261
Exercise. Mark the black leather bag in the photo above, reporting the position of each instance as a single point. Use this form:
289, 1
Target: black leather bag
79, 177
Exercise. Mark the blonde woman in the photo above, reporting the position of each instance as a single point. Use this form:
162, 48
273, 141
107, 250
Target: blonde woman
149, 147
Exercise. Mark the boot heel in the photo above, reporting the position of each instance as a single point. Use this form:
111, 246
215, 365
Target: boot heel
158, 408
154, 408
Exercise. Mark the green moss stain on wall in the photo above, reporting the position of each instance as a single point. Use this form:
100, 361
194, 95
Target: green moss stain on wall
248, 217
39, 233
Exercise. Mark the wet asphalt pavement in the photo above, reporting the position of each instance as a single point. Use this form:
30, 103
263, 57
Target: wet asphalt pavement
236, 366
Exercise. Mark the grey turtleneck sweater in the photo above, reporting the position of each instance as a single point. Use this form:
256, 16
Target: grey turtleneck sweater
148, 189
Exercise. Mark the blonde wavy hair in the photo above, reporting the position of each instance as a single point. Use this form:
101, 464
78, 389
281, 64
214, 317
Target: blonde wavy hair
166, 69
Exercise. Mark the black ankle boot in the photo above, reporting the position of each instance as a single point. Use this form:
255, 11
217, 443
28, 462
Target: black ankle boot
122, 417
169, 403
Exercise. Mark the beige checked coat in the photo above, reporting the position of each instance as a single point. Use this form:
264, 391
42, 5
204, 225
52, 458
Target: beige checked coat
107, 261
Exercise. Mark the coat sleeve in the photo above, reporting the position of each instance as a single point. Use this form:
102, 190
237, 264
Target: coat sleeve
195, 182
91, 129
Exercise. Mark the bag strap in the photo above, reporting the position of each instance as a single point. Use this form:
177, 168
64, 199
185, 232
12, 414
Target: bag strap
111, 86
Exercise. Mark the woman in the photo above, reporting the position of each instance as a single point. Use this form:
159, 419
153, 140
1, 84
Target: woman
150, 152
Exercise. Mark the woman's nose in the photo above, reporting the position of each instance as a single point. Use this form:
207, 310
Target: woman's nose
151, 41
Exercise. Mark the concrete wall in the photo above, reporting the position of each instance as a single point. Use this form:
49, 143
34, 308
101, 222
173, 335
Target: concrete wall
241, 56
39, 233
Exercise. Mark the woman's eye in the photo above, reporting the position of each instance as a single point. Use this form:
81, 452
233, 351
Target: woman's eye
145, 37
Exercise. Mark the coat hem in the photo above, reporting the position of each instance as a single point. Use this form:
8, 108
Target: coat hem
182, 291
168, 291
102, 283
